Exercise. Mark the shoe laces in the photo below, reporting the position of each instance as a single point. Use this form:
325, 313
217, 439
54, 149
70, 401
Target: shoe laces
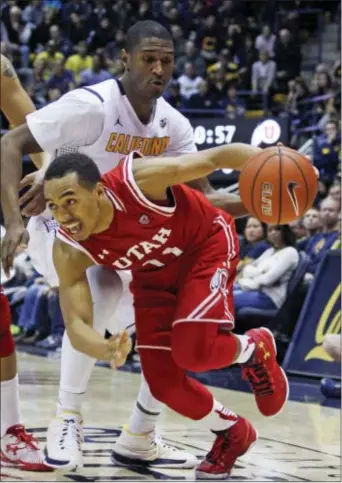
23, 441
69, 427
259, 378
156, 440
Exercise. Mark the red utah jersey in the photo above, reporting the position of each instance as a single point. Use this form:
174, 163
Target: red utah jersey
144, 235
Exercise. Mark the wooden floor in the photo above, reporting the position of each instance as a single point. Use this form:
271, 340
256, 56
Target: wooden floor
301, 444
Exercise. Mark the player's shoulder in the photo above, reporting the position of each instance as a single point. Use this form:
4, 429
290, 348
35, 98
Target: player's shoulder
95, 94
7, 69
70, 262
176, 119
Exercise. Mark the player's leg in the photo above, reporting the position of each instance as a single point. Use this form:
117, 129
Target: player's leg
138, 442
191, 399
18, 448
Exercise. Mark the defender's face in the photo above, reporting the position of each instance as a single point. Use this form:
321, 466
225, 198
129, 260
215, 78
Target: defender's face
151, 66
73, 206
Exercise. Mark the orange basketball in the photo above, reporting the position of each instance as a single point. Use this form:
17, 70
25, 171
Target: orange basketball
278, 185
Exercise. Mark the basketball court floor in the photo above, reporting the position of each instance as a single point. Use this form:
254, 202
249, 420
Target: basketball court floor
301, 444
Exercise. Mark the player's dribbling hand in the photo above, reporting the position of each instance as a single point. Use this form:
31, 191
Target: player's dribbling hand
119, 346
33, 199
16, 236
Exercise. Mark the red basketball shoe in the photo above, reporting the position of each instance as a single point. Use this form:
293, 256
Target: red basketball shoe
267, 379
228, 446
20, 450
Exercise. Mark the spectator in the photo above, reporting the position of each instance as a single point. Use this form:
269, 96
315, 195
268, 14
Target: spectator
312, 225
77, 30
34, 12
335, 191
191, 55
79, 61
173, 95
189, 82
228, 63
102, 35
263, 283
218, 84
298, 91
233, 105
322, 192
54, 95
112, 51
41, 35
98, 73
54, 340
247, 55
18, 36
233, 39
336, 73
63, 44
49, 57
253, 243
204, 99
179, 41
287, 58
327, 151
61, 79
209, 38
265, 42
263, 73
298, 228
38, 88
320, 243
322, 83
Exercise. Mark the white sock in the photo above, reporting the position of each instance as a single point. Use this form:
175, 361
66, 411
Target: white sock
10, 411
220, 418
76, 369
146, 410
247, 348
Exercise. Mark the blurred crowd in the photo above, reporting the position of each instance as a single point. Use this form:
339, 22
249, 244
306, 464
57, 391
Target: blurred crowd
242, 58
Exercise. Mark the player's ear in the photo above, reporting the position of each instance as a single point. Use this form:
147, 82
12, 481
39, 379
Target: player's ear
125, 58
99, 189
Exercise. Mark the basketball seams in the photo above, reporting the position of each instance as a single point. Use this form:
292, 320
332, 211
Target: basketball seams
306, 184
255, 180
280, 185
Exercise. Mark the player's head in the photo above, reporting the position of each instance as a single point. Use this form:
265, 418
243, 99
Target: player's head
148, 58
74, 194
281, 236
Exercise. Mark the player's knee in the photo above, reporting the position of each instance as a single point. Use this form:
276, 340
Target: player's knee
6, 339
190, 347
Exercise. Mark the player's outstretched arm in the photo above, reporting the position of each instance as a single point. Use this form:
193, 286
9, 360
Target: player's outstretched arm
153, 176
77, 307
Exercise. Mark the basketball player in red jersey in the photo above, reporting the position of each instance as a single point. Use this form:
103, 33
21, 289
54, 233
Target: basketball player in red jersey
18, 449
183, 253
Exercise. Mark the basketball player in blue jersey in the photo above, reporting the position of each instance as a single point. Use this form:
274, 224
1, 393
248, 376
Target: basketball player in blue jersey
106, 122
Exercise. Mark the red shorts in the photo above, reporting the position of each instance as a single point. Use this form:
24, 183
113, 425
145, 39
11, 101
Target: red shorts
5, 314
196, 288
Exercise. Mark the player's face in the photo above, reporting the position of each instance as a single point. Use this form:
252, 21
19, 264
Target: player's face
74, 207
151, 66
253, 230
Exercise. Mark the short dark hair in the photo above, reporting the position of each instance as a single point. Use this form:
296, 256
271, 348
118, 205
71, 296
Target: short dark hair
88, 173
144, 29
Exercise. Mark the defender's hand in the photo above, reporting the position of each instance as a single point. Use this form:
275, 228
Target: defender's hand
33, 199
16, 235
